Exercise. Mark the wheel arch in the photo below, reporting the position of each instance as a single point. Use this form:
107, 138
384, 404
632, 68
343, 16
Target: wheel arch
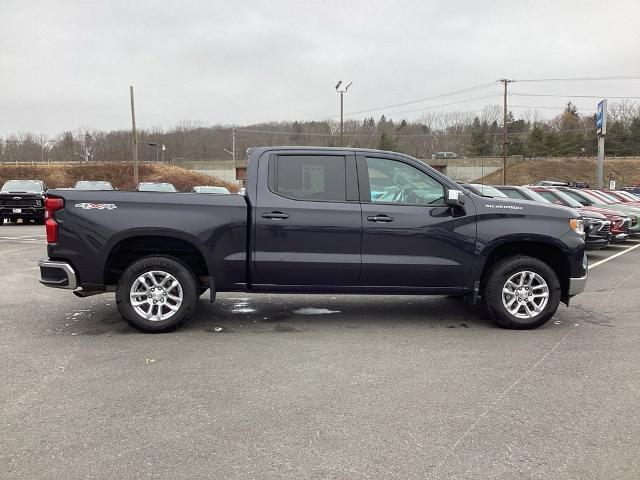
127, 247
545, 250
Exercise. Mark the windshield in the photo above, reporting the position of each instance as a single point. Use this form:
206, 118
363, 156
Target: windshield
628, 195
537, 197
211, 190
569, 201
156, 187
22, 186
488, 191
598, 198
581, 197
609, 196
93, 185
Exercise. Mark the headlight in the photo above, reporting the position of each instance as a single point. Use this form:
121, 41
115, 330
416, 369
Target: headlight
577, 224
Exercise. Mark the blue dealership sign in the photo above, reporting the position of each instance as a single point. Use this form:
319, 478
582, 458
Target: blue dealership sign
601, 118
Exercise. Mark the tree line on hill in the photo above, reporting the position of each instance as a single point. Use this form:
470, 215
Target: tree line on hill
474, 135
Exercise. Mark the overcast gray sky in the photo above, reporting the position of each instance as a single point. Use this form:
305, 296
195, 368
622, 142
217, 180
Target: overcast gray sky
68, 64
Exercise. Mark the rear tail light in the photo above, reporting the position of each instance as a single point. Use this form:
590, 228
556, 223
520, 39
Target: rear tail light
51, 226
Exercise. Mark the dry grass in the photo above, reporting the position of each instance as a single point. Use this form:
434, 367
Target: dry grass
119, 174
625, 171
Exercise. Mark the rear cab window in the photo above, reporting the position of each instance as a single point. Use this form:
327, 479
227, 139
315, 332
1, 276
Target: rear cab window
309, 177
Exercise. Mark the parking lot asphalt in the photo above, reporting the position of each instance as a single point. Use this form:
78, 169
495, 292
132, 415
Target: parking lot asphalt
318, 387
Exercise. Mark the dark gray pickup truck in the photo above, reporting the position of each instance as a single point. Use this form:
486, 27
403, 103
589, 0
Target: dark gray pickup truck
324, 220
22, 200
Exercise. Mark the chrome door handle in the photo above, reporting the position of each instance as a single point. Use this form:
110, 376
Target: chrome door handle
380, 218
275, 215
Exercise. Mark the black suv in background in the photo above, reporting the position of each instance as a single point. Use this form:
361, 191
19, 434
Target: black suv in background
22, 199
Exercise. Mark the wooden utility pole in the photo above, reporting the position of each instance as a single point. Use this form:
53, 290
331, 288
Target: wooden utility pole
233, 146
135, 138
505, 82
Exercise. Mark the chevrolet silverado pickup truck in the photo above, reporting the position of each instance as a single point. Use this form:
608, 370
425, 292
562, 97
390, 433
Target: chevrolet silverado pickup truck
316, 220
22, 199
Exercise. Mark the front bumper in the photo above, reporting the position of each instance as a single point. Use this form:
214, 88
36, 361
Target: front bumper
596, 243
619, 237
24, 212
578, 284
57, 274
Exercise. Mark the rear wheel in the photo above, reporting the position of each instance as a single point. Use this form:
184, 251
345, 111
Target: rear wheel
156, 294
521, 292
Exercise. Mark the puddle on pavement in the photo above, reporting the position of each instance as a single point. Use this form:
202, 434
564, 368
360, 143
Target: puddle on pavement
314, 311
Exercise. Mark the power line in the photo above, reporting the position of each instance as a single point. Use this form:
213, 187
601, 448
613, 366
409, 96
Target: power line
425, 99
430, 107
284, 133
523, 94
548, 108
581, 79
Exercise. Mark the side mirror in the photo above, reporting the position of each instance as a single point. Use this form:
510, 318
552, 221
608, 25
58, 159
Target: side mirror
455, 198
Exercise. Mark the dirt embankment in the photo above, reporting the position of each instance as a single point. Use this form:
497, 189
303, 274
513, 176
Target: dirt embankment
625, 171
119, 174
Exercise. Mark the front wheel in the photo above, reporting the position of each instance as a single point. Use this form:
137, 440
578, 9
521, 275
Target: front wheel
156, 294
521, 292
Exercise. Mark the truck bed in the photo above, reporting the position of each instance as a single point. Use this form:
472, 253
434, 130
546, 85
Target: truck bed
95, 224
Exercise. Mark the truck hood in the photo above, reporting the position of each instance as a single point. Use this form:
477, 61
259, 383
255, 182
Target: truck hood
21, 194
604, 211
588, 213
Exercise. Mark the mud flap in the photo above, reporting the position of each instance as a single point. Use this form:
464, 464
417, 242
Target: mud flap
212, 290
472, 298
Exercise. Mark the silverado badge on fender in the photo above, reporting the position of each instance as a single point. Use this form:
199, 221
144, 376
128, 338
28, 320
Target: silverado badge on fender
96, 206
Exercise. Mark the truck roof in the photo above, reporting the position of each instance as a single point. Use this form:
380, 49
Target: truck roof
252, 150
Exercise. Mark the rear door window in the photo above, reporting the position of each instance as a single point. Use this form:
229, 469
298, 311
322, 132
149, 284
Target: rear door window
310, 177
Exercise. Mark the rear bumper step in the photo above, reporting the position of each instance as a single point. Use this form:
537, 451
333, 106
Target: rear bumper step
57, 274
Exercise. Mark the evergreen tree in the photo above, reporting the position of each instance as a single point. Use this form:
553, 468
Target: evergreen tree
387, 142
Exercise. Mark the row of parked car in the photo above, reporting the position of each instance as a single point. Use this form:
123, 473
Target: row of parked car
610, 216
147, 187
24, 199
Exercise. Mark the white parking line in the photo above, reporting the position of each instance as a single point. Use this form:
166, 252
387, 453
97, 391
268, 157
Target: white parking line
613, 256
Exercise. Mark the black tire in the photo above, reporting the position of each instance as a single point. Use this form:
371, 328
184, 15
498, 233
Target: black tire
39, 220
186, 284
496, 279
1, 220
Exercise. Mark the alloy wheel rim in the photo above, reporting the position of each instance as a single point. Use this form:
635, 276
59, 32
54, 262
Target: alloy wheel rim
156, 295
525, 294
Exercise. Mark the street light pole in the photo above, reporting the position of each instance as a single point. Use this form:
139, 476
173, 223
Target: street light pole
342, 92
